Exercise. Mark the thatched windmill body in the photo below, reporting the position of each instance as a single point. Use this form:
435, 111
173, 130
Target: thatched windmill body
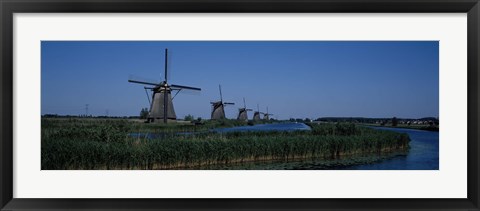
242, 112
256, 115
266, 116
218, 107
161, 106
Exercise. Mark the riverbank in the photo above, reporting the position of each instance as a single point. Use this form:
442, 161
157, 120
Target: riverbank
309, 163
415, 127
107, 145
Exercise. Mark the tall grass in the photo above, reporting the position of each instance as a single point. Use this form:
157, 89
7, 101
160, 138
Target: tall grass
82, 144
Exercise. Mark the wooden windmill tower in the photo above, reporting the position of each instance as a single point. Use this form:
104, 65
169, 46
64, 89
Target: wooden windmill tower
161, 106
218, 111
266, 116
256, 115
242, 112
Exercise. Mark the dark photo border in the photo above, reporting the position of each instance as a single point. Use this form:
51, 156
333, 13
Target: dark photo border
9, 7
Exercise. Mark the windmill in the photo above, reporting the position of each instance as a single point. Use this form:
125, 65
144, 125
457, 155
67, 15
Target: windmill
218, 111
242, 112
161, 106
256, 115
266, 116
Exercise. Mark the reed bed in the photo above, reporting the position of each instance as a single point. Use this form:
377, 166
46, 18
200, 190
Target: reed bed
106, 144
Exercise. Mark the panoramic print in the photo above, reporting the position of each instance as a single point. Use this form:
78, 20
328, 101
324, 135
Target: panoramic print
240, 105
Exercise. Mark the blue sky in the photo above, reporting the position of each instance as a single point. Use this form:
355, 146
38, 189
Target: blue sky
295, 79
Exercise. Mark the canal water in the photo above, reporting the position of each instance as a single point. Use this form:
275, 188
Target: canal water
290, 126
423, 153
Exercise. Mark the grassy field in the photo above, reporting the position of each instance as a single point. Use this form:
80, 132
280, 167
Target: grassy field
106, 144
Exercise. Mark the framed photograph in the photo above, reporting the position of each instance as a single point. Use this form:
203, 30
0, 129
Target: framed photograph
260, 105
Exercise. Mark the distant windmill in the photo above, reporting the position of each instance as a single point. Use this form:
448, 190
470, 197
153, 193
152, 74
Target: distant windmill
218, 111
242, 112
266, 116
161, 103
256, 115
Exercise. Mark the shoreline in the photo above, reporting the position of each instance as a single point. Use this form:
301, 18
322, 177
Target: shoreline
341, 157
381, 156
422, 128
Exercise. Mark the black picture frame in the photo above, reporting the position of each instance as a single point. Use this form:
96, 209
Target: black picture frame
9, 7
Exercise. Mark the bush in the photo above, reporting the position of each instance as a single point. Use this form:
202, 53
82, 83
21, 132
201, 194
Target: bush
189, 118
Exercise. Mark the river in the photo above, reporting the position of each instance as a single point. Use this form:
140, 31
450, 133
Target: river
289, 126
423, 154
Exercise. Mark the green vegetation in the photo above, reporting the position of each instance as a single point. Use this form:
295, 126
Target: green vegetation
427, 123
394, 122
106, 144
144, 113
189, 118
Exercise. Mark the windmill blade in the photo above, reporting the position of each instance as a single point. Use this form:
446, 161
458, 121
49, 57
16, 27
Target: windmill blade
143, 82
166, 62
229, 103
143, 79
220, 88
165, 107
148, 96
244, 105
185, 87
165, 96
178, 91
248, 109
